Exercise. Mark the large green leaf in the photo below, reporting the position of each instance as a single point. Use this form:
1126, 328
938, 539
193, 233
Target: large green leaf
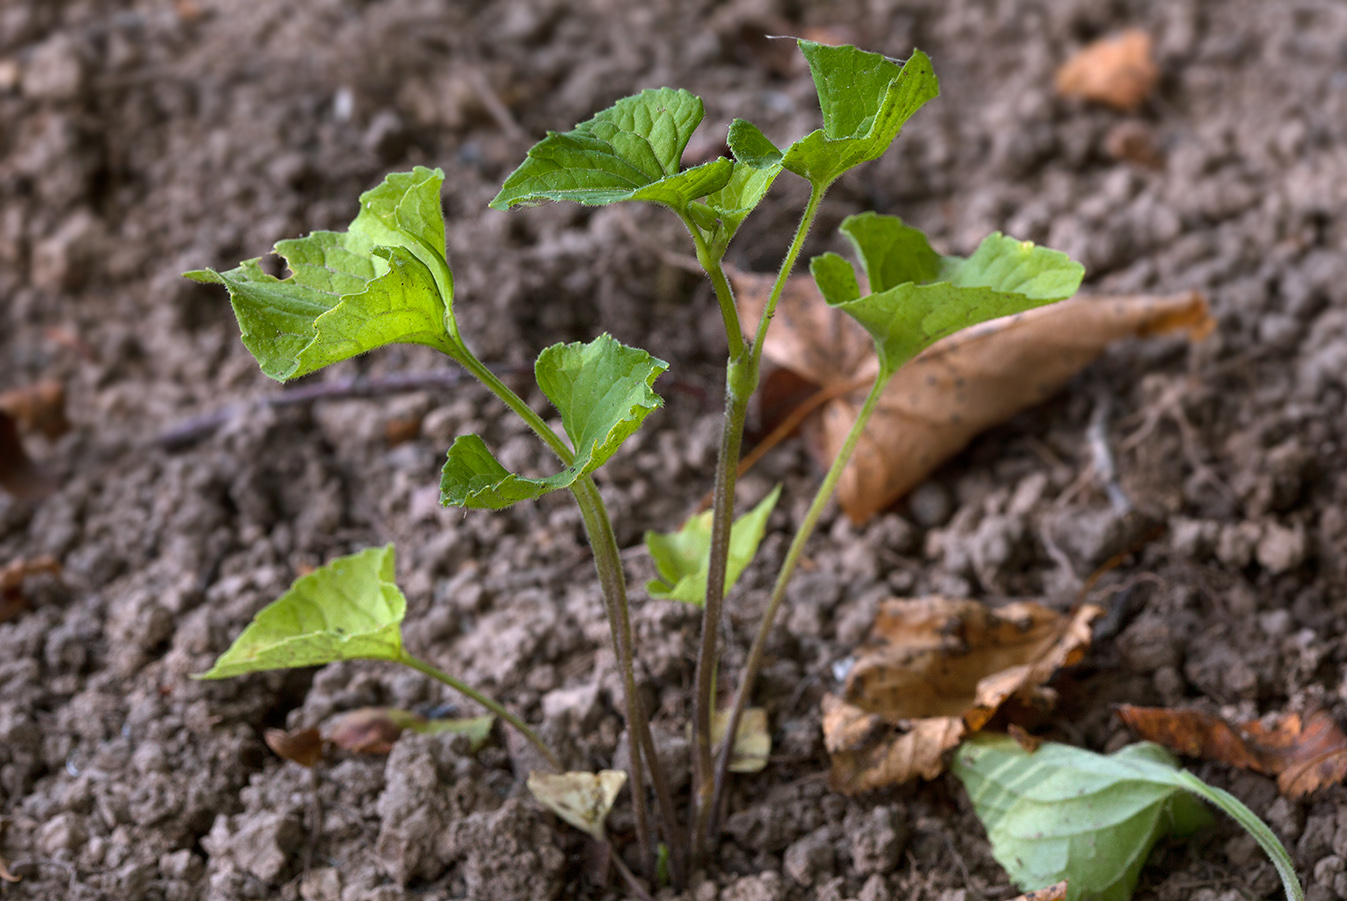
865, 98
683, 558
1066, 813
630, 151
383, 281
347, 610
1003, 277
602, 390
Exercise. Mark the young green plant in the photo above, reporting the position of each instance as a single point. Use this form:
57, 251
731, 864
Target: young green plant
386, 280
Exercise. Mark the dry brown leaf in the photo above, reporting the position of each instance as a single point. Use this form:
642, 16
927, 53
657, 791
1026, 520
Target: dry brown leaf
302, 746
1117, 71
1304, 754
957, 388
18, 474
1050, 893
39, 407
12, 599
935, 670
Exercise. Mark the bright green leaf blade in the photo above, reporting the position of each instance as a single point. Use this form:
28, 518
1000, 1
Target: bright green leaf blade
751, 147
891, 252
742, 194
835, 277
1065, 813
865, 98
1004, 277
384, 281
347, 610
683, 558
630, 151
1005, 264
602, 390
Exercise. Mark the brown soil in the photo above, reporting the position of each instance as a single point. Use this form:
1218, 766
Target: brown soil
140, 139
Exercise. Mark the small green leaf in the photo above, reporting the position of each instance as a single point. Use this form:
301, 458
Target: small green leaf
865, 98
383, 281
630, 151
349, 609
745, 190
602, 391
835, 278
683, 558
1003, 277
477, 728
751, 147
1066, 813
891, 252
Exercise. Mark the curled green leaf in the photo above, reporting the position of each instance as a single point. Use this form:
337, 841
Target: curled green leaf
383, 281
350, 609
630, 151
865, 99
1002, 277
1066, 813
683, 558
602, 389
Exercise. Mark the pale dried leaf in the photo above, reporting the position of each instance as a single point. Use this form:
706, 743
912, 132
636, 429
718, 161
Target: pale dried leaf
869, 752
752, 741
39, 407
581, 799
302, 746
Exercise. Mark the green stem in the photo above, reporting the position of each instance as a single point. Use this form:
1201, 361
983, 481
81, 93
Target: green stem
490, 704
1266, 838
613, 583
608, 564
741, 380
759, 649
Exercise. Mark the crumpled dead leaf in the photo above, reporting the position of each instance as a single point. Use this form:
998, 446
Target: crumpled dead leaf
301, 746
1117, 71
935, 670
33, 408
1304, 753
581, 799
12, 574
373, 730
957, 388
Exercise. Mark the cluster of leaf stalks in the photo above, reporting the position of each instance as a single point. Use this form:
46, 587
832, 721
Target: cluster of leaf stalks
386, 280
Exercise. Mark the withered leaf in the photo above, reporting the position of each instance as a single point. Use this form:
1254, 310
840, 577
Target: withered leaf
752, 740
39, 407
1305, 754
18, 474
12, 574
302, 746
954, 390
935, 670
1117, 71
581, 799
370, 730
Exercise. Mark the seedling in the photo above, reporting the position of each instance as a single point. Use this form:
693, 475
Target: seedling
386, 281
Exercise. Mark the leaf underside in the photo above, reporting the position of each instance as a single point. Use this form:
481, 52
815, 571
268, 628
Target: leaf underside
353, 291
349, 609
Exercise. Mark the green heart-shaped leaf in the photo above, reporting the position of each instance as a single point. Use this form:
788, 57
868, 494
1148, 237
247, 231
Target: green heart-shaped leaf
630, 151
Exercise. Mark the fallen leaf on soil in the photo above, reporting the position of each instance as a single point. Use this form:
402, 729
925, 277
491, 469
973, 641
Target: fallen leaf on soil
1050, 893
1304, 754
955, 389
12, 599
581, 799
302, 746
39, 407
373, 730
18, 474
935, 670
1117, 71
